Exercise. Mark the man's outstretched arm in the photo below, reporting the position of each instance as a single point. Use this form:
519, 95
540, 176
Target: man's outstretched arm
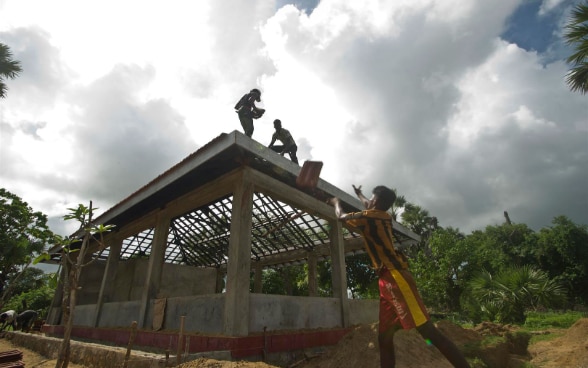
360, 195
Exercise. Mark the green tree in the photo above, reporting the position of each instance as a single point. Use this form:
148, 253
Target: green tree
505, 296
31, 278
504, 245
362, 280
73, 260
442, 272
288, 280
562, 252
38, 296
8, 68
23, 235
576, 35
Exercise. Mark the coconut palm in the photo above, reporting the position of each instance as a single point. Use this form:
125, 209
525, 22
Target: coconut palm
576, 35
8, 68
506, 296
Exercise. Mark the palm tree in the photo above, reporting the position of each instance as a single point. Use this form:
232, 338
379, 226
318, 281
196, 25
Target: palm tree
577, 35
506, 296
8, 68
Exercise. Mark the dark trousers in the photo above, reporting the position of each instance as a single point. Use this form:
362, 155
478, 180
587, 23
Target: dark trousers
291, 151
246, 123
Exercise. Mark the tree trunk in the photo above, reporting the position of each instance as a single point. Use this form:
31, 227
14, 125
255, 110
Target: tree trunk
74, 276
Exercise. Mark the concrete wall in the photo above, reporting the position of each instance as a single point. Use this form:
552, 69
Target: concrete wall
176, 280
204, 314
181, 280
280, 312
362, 311
90, 281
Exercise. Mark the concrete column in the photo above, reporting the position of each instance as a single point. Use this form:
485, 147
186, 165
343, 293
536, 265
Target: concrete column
339, 272
107, 287
257, 280
236, 313
54, 314
312, 274
154, 269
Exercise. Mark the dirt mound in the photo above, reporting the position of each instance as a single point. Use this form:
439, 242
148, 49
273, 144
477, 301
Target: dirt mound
493, 329
213, 363
360, 348
569, 350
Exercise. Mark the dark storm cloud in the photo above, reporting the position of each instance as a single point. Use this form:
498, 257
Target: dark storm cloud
123, 142
414, 86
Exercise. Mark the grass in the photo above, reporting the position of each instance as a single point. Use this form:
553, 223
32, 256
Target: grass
543, 320
556, 322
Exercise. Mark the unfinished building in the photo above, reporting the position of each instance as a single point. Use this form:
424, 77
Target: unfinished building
194, 242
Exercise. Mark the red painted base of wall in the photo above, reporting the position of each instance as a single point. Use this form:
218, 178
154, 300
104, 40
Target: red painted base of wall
240, 347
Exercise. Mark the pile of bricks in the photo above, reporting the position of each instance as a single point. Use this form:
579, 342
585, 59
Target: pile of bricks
11, 359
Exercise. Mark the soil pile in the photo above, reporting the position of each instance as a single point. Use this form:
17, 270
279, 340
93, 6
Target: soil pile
360, 348
569, 350
213, 363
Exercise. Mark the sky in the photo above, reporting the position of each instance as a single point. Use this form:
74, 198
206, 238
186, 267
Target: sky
459, 105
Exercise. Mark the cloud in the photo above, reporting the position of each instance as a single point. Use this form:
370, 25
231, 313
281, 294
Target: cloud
423, 96
438, 107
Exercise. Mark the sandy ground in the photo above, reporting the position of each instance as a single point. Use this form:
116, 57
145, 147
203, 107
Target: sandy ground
360, 349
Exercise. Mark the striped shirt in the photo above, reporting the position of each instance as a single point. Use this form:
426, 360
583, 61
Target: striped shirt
376, 227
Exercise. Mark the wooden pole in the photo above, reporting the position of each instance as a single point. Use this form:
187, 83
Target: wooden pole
131, 342
180, 338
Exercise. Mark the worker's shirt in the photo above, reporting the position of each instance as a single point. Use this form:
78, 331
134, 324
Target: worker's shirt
285, 137
246, 104
10, 315
376, 227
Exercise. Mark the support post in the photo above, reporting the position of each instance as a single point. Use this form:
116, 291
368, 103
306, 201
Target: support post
339, 271
109, 276
236, 313
154, 269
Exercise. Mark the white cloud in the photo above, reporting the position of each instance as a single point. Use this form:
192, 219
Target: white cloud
422, 96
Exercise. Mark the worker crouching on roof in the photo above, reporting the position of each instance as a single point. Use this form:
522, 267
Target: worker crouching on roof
284, 136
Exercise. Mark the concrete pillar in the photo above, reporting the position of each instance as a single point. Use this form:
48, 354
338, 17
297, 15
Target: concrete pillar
257, 280
154, 269
312, 274
236, 313
114, 247
54, 314
339, 272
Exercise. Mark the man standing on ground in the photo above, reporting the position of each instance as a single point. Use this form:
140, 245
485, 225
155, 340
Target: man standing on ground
400, 303
285, 137
247, 110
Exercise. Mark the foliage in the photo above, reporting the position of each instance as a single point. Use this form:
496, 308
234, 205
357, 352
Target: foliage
23, 234
30, 279
38, 299
562, 251
362, 280
576, 35
504, 245
289, 280
505, 296
441, 272
542, 320
8, 68
73, 259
